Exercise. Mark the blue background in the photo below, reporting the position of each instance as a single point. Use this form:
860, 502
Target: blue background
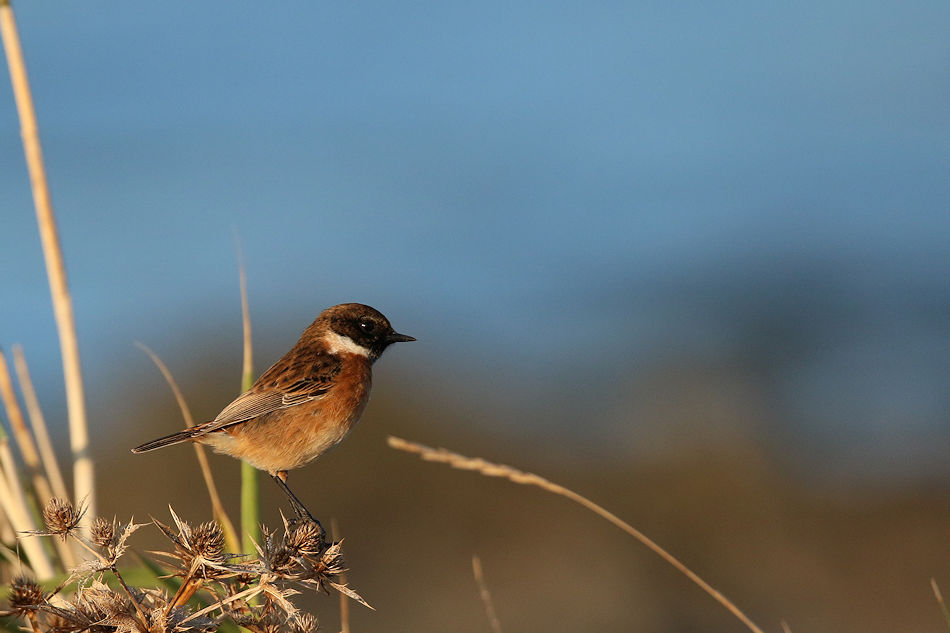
619, 230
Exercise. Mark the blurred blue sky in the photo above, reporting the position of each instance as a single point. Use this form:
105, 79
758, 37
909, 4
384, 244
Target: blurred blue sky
537, 190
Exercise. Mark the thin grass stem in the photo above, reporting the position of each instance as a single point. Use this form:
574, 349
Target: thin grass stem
250, 481
22, 436
13, 501
939, 596
189, 585
217, 506
485, 595
40, 485
247, 594
38, 423
344, 600
7, 534
83, 470
112, 567
490, 469
41, 489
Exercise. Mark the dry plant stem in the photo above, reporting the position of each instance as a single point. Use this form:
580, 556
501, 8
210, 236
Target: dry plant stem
112, 567
14, 504
247, 366
83, 473
344, 601
217, 507
33, 623
485, 595
490, 469
189, 585
22, 435
939, 596
250, 483
248, 594
6, 530
184, 594
143, 621
45, 446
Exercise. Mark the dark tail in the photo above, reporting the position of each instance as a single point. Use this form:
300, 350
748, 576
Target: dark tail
168, 440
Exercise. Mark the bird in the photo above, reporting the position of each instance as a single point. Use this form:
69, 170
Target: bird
306, 403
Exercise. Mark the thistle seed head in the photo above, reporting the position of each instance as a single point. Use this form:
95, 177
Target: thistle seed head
306, 540
105, 533
305, 623
207, 541
61, 517
25, 595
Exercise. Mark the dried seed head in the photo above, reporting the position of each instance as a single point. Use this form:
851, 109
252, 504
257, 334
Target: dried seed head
104, 533
207, 541
25, 595
305, 623
61, 517
107, 608
280, 559
307, 539
332, 559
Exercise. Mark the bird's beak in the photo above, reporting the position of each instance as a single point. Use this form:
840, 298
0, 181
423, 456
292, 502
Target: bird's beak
396, 337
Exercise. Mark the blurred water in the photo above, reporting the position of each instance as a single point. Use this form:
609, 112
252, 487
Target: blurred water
562, 197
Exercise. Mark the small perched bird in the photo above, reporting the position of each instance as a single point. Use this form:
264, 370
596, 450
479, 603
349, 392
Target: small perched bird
306, 403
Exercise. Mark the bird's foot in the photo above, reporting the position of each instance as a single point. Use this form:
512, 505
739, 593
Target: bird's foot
303, 517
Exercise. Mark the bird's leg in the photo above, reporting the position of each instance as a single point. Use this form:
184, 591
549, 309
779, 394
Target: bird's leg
299, 508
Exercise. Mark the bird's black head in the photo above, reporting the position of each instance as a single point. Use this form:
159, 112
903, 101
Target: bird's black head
359, 329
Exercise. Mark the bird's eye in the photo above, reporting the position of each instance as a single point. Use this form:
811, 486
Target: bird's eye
367, 326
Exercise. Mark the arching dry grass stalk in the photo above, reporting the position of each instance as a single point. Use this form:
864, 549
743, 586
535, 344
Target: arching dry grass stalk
220, 514
490, 469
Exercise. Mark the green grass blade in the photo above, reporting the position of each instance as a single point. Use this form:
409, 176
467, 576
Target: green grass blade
250, 485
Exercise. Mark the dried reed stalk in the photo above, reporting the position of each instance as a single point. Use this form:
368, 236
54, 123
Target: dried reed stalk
38, 423
15, 506
939, 596
490, 469
22, 435
344, 601
485, 595
217, 507
7, 535
83, 471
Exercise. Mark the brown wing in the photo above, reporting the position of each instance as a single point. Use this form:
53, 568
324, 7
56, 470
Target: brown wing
298, 377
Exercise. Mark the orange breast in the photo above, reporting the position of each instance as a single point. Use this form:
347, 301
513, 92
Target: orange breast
290, 438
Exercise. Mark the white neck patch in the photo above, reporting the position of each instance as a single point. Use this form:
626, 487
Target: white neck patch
337, 344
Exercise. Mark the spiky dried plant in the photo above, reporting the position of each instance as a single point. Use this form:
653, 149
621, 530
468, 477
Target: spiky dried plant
216, 586
25, 596
61, 517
